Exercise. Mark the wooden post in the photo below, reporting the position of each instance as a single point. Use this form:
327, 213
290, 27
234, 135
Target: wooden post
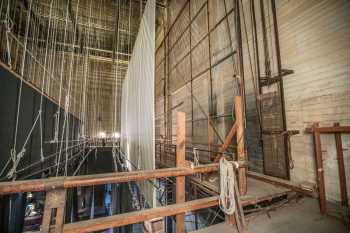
319, 170
341, 168
180, 162
54, 209
210, 137
241, 155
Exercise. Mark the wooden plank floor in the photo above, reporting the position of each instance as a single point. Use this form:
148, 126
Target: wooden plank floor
256, 190
301, 217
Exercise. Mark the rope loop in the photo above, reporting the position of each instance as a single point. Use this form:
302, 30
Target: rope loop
227, 201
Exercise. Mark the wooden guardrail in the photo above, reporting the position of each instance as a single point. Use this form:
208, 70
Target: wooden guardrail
337, 130
56, 193
98, 179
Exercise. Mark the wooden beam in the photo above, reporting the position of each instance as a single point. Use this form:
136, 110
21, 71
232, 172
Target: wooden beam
55, 199
227, 142
139, 216
36, 185
319, 169
341, 168
281, 182
180, 162
331, 129
241, 155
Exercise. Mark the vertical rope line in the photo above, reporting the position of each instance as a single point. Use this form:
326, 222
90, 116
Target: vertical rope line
71, 68
45, 76
59, 145
117, 72
13, 151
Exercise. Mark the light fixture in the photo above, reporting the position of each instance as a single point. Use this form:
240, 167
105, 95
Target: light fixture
116, 135
102, 134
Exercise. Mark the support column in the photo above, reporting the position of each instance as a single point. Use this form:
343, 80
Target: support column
54, 209
319, 169
241, 155
341, 168
180, 162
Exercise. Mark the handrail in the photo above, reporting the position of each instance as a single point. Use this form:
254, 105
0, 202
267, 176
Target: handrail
47, 184
139, 216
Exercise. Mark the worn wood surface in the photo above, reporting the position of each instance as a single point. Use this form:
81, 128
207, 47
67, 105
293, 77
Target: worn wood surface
319, 170
97, 179
180, 162
341, 168
55, 202
138, 216
257, 190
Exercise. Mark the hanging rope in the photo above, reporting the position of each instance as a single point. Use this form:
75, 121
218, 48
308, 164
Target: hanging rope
14, 156
227, 201
196, 161
8, 24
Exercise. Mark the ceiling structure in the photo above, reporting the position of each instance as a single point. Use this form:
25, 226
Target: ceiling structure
76, 52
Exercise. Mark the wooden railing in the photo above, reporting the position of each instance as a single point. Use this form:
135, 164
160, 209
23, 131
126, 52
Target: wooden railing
56, 189
337, 130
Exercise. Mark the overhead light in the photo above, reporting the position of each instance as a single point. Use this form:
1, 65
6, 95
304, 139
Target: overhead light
101, 134
116, 135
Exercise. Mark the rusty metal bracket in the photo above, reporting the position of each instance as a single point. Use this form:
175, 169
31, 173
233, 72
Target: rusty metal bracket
267, 81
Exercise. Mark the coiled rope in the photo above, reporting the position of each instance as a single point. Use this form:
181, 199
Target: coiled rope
227, 200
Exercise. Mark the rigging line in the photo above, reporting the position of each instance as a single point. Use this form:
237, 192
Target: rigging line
251, 65
68, 97
203, 112
46, 158
74, 110
61, 74
272, 60
99, 77
116, 71
23, 150
43, 84
86, 71
8, 30
53, 57
6, 165
138, 169
13, 150
47, 168
265, 42
234, 68
61, 145
82, 161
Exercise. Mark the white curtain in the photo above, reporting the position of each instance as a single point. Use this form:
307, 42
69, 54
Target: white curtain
137, 120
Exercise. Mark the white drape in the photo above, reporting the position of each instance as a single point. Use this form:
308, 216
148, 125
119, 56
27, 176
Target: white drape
137, 115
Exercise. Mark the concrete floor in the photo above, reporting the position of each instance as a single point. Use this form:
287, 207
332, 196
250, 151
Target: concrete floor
301, 217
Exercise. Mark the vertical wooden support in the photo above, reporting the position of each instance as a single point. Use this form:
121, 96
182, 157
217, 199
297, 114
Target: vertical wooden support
341, 168
180, 162
54, 211
241, 155
319, 169
210, 137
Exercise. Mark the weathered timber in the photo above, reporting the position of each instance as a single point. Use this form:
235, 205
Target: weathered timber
138, 216
281, 182
180, 162
341, 168
36, 185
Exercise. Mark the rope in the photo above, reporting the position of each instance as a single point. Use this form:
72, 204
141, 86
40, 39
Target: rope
196, 161
17, 157
8, 27
13, 153
227, 201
